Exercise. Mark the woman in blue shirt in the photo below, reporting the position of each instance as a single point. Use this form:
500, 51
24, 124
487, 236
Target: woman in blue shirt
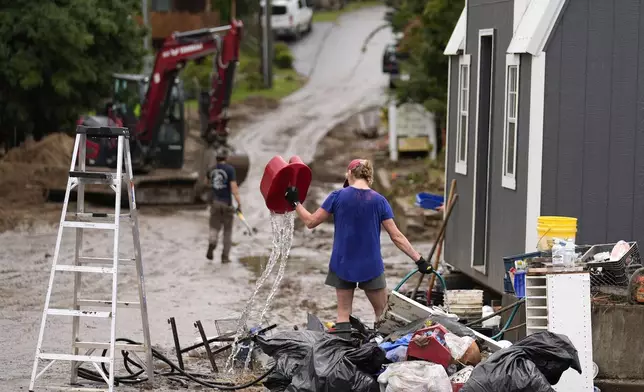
358, 213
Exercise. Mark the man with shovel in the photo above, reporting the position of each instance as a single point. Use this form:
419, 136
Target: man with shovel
222, 180
359, 212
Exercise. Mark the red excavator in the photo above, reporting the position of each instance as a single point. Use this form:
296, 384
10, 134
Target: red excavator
153, 109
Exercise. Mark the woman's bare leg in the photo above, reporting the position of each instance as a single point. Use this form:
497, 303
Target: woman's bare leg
378, 299
345, 304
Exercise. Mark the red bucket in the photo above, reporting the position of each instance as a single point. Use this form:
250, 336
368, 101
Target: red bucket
279, 175
434, 351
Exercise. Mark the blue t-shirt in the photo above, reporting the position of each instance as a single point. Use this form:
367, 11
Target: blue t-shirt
357, 215
220, 178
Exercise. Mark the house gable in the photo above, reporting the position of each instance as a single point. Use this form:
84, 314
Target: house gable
536, 26
456, 42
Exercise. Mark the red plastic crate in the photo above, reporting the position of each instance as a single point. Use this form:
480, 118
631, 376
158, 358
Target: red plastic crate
434, 351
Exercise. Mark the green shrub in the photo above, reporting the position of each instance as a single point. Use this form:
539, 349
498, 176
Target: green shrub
281, 47
284, 60
249, 65
196, 77
254, 81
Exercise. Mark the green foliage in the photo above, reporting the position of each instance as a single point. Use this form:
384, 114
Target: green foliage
250, 73
281, 47
57, 58
244, 8
282, 56
249, 65
425, 43
253, 81
196, 76
284, 60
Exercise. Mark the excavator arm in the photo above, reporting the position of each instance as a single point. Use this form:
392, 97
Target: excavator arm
167, 185
180, 48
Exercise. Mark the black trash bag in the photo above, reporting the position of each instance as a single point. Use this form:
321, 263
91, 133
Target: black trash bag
289, 349
533, 364
334, 365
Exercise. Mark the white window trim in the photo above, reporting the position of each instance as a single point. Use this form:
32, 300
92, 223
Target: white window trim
510, 181
460, 166
535, 149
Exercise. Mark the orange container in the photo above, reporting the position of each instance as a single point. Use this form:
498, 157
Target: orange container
278, 176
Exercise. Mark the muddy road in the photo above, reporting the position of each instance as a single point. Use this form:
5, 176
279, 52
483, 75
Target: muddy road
180, 282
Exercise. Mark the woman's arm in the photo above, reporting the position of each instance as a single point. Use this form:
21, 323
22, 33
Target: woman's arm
314, 219
400, 240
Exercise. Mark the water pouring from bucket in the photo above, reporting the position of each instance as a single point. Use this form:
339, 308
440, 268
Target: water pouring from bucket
278, 176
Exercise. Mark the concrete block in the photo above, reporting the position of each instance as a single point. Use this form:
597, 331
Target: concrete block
618, 347
619, 386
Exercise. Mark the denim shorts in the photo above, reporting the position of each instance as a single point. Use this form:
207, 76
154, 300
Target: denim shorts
334, 280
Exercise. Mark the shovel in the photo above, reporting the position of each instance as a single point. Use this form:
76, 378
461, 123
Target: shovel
251, 230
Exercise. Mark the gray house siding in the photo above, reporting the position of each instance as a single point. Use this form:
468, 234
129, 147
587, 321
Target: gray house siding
506, 208
593, 147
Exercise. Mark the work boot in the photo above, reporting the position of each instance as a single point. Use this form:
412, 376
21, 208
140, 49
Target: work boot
225, 259
211, 249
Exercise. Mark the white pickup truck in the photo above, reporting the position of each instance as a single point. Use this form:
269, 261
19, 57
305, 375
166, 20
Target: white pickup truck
290, 18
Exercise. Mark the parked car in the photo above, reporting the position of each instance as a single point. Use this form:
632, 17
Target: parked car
290, 18
390, 64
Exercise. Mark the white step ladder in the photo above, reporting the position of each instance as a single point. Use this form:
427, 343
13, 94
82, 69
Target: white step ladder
80, 221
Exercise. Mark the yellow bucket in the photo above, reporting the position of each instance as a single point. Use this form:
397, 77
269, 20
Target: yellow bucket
549, 227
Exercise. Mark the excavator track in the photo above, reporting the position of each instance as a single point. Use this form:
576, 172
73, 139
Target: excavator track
161, 186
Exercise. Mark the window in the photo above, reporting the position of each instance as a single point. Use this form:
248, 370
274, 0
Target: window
511, 115
278, 10
463, 114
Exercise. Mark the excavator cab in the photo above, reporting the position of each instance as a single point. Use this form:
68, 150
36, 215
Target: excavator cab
124, 109
170, 138
129, 94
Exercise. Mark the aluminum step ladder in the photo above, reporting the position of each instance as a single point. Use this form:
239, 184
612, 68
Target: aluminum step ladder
80, 221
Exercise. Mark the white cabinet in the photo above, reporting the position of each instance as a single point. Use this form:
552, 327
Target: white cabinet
560, 303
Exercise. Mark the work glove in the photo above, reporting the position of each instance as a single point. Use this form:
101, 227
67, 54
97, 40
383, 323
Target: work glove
238, 210
292, 196
424, 266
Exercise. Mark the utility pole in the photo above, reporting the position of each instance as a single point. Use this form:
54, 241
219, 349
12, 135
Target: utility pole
267, 46
147, 59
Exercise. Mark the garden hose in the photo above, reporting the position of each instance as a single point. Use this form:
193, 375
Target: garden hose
509, 322
440, 277
176, 371
410, 274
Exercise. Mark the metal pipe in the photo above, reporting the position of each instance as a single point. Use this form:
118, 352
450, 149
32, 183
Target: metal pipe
177, 347
441, 233
211, 340
514, 328
207, 346
498, 312
204, 31
146, 23
227, 339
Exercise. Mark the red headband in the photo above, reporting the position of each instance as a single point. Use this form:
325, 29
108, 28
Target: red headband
355, 163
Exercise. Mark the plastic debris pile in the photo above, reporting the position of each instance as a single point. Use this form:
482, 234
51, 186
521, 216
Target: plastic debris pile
424, 356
